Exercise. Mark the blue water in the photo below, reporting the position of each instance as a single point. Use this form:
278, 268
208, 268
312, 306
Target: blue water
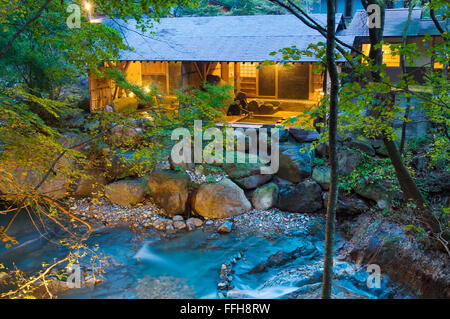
188, 265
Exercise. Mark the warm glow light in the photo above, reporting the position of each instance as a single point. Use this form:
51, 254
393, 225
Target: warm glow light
388, 58
87, 6
131, 94
438, 65
96, 20
147, 89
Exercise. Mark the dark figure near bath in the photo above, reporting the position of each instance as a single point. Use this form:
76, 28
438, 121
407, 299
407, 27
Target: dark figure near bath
239, 106
213, 79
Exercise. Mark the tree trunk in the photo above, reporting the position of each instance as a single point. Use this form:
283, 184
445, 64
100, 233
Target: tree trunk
411, 4
409, 187
405, 180
332, 137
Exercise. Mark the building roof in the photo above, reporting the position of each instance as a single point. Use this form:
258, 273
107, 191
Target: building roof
221, 38
394, 24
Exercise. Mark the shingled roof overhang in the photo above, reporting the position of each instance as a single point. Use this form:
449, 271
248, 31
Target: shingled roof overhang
221, 38
394, 24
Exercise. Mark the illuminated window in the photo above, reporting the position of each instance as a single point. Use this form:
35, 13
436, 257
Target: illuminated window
388, 58
248, 70
155, 73
438, 65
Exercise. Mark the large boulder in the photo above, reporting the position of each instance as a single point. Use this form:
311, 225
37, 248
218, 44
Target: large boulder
235, 170
295, 162
126, 192
303, 136
348, 160
19, 179
362, 145
401, 255
170, 190
182, 165
347, 206
125, 135
220, 200
125, 164
322, 149
70, 139
376, 190
266, 196
91, 181
304, 197
251, 182
237, 138
321, 174
283, 135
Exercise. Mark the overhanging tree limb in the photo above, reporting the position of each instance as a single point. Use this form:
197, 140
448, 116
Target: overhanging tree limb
313, 24
23, 28
436, 22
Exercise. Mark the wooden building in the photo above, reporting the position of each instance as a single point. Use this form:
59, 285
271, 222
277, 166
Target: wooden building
182, 53
395, 21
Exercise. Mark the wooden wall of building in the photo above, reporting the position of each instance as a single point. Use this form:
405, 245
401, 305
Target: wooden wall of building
278, 82
100, 92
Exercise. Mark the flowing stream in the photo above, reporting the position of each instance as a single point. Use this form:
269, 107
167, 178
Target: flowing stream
188, 265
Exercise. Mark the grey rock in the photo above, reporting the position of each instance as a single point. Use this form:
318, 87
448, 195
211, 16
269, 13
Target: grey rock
179, 224
265, 197
321, 174
294, 165
378, 191
126, 192
304, 197
162, 223
220, 200
347, 206
93, 180
170, 190
364, 146
170, 228
251, 182
303, 136
226, 227
178, 218
193, 223
322, 149
348, 160
283, 135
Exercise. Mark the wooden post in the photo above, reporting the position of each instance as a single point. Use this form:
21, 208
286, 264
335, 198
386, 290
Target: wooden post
225, 72
198, 71
237, 76
310, 81
181, 76
276, 80
91, 90
116, 89
166, 71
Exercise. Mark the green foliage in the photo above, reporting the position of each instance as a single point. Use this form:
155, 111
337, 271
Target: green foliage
319, 161
370, 170
43, 63
239, 7
201, 8
416, 230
